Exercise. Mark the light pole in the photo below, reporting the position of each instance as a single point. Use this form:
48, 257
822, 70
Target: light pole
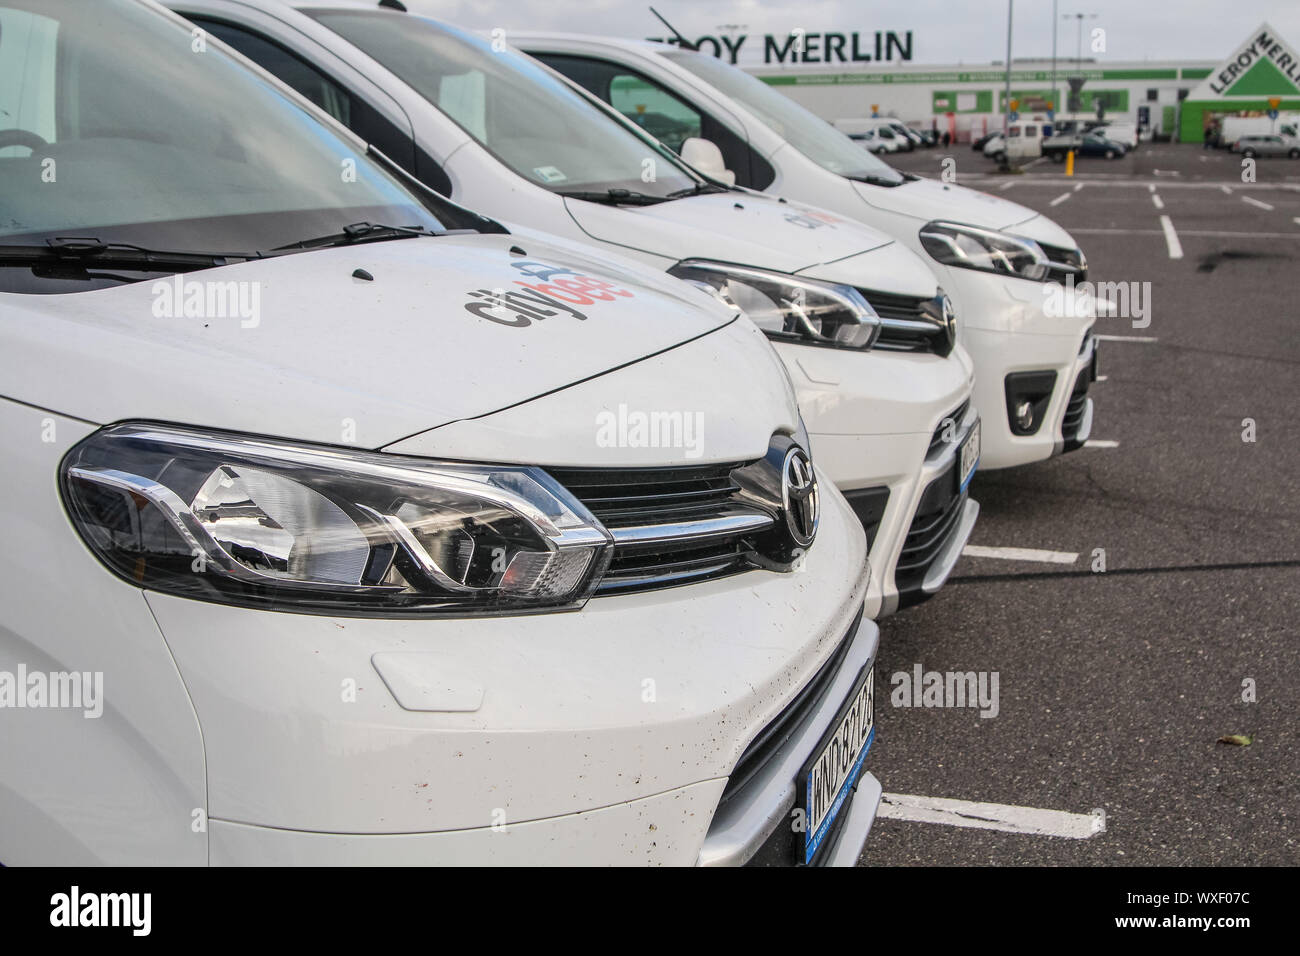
1078, 53
1006, 113
1056, 104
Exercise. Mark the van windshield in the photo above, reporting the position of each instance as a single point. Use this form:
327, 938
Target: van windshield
530, 119
120, 124
814, 137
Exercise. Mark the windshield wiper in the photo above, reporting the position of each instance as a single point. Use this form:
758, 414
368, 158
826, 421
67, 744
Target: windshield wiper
699, 189
881, 180
359, 232
79, 254
615, 197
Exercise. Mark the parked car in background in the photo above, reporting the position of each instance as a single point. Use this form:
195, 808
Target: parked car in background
1275, 145
858, 318
1087, 144
887, 130
915, 137
1232, 128
874, 142
997, 259
1118, 132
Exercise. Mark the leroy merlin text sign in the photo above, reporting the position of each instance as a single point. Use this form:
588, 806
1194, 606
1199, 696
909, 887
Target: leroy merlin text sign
801, 46
1264, 47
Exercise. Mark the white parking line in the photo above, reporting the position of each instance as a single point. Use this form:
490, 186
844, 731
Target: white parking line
1227, 189
992, 816
1127, 338
1157, 201
1078, 186
1100, 443
1171, 238
1296, 220
1060, 199
1151, 188
1007, 185
1021, 554
1103, 378
1256, 202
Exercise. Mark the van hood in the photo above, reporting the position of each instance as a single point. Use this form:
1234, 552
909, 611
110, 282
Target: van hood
363, 344
927, 199
741, 227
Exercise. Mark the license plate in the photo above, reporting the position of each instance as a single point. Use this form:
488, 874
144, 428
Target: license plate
828, 778
969, 457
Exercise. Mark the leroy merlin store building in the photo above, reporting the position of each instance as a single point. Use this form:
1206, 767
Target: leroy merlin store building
1177, 100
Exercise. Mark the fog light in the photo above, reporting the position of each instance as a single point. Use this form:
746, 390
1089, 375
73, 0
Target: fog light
1028, 394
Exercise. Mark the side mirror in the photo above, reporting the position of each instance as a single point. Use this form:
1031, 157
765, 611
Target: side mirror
707, 158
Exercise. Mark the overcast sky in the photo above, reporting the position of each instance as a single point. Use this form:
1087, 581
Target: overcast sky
943, 31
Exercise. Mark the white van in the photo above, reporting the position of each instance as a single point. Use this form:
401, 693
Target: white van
1021, 142
1000, 261
877, 141
857, 317
883, 129
333, 535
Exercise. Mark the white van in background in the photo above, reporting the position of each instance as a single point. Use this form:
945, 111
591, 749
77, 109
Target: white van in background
1022, 141
885, 130
1000, 261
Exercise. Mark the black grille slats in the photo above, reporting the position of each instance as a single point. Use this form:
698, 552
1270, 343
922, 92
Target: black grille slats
626, 498
633, 496
904, 325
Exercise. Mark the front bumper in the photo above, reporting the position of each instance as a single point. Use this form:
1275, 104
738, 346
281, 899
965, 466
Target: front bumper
872, 419
1066, 421
604, 735
1016, 327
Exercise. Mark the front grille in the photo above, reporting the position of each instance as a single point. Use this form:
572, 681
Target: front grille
869, 505
627, 498
949, 428
937, 516
904, 324
622, 497
1065, 262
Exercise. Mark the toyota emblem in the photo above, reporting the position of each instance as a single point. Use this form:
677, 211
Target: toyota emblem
799, 496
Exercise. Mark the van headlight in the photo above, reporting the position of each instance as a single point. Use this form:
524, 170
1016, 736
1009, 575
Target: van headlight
788, 308
969, 247
264, 523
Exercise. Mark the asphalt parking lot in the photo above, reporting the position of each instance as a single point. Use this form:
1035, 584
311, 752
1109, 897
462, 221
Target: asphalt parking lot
1116, 686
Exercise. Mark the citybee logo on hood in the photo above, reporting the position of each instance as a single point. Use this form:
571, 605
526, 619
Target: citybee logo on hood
810, 219
556, 291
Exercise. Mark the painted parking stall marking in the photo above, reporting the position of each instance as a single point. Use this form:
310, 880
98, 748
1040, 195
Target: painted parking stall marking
992, 816
1171, 238
1127, 338
1257, 203
1020, 554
